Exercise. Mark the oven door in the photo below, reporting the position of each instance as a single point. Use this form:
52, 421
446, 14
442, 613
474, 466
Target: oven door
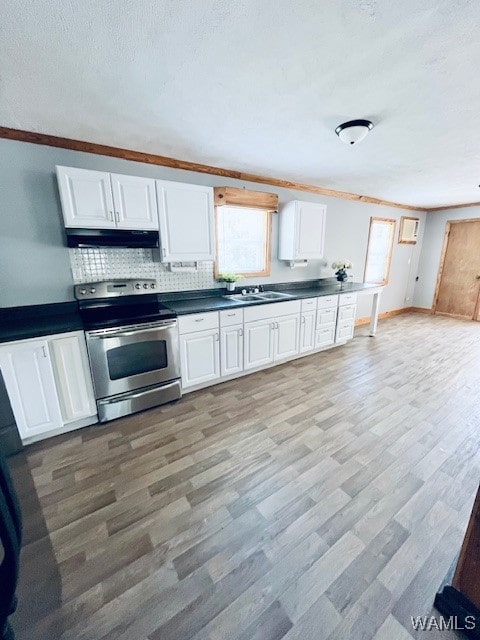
129, 358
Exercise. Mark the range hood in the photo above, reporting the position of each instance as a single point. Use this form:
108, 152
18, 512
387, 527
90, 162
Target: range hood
112, 238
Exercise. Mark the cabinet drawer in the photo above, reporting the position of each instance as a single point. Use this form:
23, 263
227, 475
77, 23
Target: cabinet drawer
274, 310
347, 312
345, 330
347, 298
198, 322
324, 337
231, 317
309, 304
327, 301
326, 317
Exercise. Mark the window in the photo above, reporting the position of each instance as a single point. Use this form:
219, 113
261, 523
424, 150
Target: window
379, 250
243, 241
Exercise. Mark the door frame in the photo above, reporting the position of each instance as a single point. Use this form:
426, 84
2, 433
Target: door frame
443, 254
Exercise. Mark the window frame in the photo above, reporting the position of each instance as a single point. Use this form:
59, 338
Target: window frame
267, 248
388, 259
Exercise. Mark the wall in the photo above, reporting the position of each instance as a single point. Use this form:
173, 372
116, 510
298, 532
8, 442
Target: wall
34, 261
432, 250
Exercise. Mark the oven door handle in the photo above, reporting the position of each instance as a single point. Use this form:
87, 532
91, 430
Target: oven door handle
126, 334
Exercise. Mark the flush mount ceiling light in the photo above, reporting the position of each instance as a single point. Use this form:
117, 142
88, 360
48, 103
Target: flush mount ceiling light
353, 131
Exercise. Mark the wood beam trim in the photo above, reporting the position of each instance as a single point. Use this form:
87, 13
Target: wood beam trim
173, 163
245, 198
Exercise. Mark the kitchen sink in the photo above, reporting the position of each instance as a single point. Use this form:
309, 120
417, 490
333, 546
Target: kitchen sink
273, 295
257, 297
238, 297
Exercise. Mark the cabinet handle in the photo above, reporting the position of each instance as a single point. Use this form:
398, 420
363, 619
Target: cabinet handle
110, 215
276, 325
199, 319
117, 216
230, 315
272, 326
303, 319
164, 253
44, 351
217, 337
240, 332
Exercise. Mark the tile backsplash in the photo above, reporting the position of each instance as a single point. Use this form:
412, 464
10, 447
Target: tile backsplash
93, 265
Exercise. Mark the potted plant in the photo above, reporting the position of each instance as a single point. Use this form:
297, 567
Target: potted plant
229, 279
341, 267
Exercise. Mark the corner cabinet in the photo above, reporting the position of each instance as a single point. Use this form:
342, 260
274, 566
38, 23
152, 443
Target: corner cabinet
185, 213
49, 385
302, 231
99, 200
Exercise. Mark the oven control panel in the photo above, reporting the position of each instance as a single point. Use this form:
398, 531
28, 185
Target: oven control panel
114, 288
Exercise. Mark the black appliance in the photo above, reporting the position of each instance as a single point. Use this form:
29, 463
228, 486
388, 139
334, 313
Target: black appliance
133, 346
10, 442
11, 542
112, 238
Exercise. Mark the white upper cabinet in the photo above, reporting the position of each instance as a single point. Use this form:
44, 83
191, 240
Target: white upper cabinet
185, 214
302, 231
135, 202
98, 200
86, 198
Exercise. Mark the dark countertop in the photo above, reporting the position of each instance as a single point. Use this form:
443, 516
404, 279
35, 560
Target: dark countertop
213, 300
19, 323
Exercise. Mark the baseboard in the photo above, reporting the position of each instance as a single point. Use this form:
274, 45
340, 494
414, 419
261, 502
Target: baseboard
394, 312
425, 310
460, 611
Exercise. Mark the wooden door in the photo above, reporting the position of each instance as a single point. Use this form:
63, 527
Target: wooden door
459, 277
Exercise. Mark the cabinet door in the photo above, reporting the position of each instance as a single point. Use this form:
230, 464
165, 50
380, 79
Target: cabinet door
347, 312
324, 337
135, 202
326, 317
307, 331
86, 198
200, 357
231, 350
72, 375
345, 330
258, 343
309, 230
185, 214
28, 374
286, 336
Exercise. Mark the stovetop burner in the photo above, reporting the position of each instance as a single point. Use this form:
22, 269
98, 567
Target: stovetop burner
119, 302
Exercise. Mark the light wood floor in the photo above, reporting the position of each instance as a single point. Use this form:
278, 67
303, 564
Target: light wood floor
321, 499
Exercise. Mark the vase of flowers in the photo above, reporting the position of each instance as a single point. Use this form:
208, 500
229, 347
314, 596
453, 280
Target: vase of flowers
341, 267
229, 279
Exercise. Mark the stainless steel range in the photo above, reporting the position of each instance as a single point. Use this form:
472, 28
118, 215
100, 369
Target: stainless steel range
132, 343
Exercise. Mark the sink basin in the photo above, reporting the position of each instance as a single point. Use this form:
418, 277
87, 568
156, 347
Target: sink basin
273, 295
238, 297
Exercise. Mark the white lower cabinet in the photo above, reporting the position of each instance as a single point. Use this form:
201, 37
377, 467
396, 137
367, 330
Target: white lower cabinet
231, 350
28, 374
324, 337
72, 376
287, 335
307, 331
49, 384
345, 330
259, 343
200, 357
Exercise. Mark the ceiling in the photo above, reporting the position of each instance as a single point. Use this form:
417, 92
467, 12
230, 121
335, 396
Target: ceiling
259, 86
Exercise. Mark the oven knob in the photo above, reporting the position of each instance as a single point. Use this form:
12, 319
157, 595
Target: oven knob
83, 291
92, 290
152, 286
138, 286
145, 286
